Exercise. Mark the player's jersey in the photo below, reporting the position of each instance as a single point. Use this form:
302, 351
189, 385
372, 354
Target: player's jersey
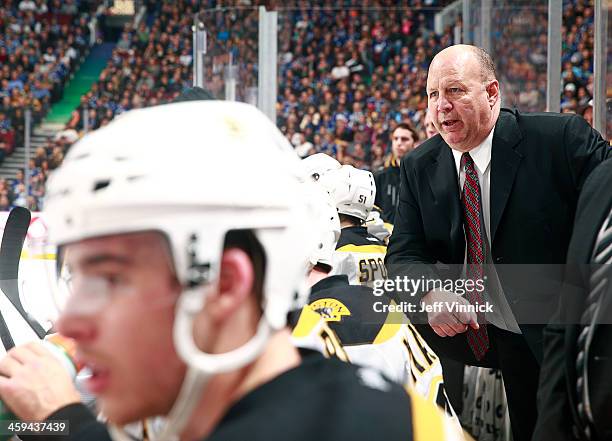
323, 400
360, 256
352, 330
326, 400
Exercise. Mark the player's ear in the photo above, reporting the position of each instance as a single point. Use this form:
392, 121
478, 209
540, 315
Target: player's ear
235, 286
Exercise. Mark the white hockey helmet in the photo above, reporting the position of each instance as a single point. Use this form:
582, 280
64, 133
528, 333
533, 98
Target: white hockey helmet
326, 225
353, 190
165, 169
319, 164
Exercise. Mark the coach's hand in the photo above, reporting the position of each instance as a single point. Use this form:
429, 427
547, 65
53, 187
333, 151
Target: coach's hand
446, 320
34, 384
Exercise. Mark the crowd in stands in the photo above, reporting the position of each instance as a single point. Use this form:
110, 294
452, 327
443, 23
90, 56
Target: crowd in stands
348, 73
577, 57
349, 76
41, 44
45, 159
519, 46
151, 64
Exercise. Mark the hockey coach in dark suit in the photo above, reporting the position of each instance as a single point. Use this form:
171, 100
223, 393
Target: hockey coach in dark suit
492, 197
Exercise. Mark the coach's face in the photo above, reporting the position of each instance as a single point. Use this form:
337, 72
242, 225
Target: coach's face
464, 108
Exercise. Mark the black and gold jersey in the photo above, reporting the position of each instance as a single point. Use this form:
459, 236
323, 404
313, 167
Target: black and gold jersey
354, 325
360, 256
321, 399
327, 400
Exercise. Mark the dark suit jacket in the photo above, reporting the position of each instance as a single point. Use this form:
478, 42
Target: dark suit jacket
556, 395
539, 162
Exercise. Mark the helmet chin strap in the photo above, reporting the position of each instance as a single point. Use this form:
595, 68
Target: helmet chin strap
189, 305
201, 366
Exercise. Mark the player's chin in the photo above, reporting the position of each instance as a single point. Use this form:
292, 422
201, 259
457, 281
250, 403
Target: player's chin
120, 411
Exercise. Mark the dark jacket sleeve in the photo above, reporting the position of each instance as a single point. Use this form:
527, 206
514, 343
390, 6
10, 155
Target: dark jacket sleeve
82, 425
585, 149
407, 253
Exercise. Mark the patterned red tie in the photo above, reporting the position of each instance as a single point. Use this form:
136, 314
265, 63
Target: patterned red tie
478, 339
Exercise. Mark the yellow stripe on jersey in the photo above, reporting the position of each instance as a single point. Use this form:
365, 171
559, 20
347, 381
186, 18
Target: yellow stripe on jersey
387, 332
380, 249
393, 324
427, 421
306, 323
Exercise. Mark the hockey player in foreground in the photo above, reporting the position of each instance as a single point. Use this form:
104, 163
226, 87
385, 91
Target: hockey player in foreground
181, 277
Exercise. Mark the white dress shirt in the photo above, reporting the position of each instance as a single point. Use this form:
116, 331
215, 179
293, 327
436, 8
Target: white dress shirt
502, 315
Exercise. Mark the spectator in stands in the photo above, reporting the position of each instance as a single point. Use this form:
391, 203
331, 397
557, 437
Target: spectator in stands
6, 136
56, 158
3, 150
5, 123
377, 156
20, 198
5, 203
587, 112
19, 175
19, 126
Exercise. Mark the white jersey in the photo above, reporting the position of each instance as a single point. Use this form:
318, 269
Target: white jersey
360, 256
